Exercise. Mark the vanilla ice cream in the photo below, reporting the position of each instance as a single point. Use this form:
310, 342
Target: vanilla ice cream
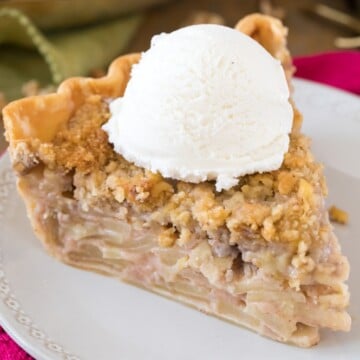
205, 102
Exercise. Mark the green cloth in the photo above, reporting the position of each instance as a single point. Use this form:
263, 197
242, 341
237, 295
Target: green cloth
27, 53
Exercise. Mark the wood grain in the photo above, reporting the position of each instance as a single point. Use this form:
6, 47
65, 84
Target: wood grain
308, 33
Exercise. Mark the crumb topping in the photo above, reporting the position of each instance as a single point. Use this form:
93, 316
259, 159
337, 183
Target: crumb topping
338, 215
82, 144
276, 206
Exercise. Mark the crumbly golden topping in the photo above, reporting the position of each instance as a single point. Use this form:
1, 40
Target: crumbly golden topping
277, 206
82, 144
338, 215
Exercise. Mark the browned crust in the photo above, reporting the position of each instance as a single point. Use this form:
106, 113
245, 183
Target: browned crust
43, 233
272, 35
41, 116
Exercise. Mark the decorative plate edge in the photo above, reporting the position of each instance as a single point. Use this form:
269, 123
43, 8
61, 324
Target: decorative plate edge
8, 298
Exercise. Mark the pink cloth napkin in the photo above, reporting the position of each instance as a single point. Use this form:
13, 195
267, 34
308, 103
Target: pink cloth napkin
9, 350
339, 69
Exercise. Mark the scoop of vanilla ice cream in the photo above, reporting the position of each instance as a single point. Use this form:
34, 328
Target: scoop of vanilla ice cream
205, 102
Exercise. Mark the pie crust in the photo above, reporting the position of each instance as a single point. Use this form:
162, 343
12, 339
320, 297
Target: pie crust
262, 254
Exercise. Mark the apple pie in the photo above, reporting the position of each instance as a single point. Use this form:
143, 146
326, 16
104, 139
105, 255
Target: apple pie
262, 254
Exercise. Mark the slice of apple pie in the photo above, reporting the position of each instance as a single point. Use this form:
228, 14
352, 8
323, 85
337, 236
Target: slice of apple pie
261, 254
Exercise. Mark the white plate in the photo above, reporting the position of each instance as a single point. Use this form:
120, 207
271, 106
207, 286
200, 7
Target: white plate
57, 312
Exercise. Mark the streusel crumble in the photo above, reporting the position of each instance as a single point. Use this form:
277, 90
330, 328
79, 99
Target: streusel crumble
278, 206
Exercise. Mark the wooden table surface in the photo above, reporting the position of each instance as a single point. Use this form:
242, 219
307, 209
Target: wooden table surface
307, 33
